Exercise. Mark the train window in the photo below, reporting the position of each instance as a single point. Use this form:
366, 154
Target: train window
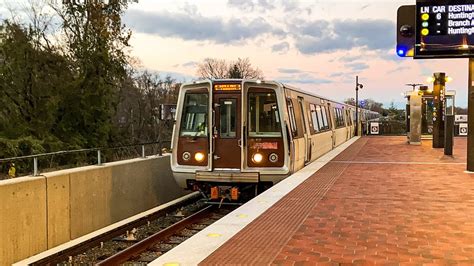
291, 113
314, 117
319, 113
228, 109
339, 117
264, 117
325, 118
194, 118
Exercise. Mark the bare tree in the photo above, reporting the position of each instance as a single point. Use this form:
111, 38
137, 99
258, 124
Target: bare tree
242, 68
213, 68
219, 69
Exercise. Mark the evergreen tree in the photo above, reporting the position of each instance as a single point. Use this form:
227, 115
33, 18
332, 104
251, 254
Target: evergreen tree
95, 40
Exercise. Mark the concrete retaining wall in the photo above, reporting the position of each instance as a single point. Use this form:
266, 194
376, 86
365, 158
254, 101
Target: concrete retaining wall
22, 218
38, 213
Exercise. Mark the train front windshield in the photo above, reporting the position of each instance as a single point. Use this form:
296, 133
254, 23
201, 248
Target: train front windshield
263, 115
194, 119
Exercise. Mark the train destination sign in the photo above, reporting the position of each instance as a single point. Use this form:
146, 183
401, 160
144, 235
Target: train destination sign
227, 87
444, 28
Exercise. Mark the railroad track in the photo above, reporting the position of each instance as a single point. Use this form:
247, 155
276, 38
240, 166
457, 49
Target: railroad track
116, 237
157, 244
115, 247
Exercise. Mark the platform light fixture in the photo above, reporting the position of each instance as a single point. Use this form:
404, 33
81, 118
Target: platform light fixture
433, 79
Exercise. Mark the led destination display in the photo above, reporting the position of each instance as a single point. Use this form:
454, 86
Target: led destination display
444, 28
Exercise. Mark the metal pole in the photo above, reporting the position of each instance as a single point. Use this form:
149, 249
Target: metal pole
35, 166
143, 151
448, 134
357, 107
470, 117
98, 158
438, 118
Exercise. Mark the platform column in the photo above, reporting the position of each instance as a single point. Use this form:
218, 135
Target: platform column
414, 135
470, 118
439, 89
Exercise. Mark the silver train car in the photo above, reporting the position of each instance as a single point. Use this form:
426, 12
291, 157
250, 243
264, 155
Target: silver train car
238, 137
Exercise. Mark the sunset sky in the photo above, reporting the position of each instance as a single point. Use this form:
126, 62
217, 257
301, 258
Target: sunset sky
319, 46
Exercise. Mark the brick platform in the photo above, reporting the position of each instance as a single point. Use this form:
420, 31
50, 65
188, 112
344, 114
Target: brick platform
379, 202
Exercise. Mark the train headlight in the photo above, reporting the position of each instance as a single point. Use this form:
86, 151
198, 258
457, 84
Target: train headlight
257, 158
273, 158
186, 156
199, 156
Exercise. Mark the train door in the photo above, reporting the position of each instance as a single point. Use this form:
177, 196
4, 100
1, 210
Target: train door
307, 155
226, 104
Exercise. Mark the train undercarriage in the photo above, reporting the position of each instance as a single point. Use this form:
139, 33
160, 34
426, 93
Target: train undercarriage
228, 193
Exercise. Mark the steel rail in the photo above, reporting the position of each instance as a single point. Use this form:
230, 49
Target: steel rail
64, 255
143, 245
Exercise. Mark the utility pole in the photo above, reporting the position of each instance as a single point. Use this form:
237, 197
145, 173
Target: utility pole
358, 86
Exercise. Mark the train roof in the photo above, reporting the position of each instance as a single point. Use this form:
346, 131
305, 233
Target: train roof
273, 82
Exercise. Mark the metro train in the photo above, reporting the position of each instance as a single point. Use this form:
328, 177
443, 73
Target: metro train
237, 137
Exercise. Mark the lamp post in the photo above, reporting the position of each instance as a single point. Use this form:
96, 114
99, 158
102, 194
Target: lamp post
358, 86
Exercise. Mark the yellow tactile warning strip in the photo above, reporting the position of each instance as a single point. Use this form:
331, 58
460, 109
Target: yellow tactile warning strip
268, 233
363, 209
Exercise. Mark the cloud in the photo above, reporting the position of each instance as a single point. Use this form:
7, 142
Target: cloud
290, 70
329, 36
356, 66
337, 74
344, 76
304, 81
190, 64
292, 6
296, 76
350, 58
252, 5
180, 77
281, 48
162, 74
398, 69
198, 27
